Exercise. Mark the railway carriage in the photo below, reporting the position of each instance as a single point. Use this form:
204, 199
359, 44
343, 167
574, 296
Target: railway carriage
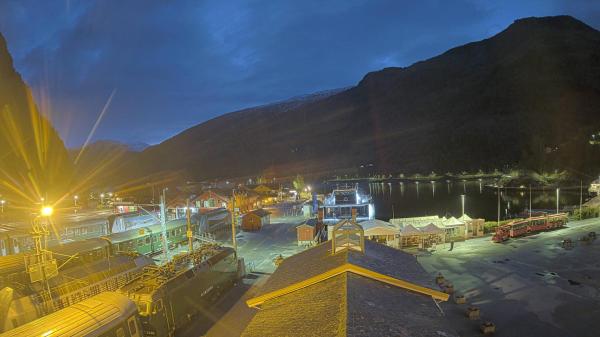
529, 226
148, 240
106, 314
12, 267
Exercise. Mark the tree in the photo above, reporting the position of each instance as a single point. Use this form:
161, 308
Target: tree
298, 183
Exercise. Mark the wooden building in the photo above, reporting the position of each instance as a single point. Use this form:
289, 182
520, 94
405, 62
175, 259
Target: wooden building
213, 199
349, 287
307, 231
254, 220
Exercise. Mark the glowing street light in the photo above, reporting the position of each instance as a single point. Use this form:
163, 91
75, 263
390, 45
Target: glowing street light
2, 202
557, 199
47, 211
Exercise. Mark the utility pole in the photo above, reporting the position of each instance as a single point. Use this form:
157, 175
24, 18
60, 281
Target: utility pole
530, 201
188, 214
580, 198
163, 225
498, 204
462, 200
233, 218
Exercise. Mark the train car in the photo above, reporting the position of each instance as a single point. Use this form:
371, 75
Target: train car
70, 287
106, 314
148, 240
14, 239
12, 267
529, 226
168, 297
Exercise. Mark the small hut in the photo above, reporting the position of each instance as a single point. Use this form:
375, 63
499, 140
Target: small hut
254, 220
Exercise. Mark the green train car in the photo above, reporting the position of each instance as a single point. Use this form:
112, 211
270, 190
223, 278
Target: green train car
148, 240
168, 297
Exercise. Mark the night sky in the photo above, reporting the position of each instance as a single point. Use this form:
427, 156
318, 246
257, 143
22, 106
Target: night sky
169, 65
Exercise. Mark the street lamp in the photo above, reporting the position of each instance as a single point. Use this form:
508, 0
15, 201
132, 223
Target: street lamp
462, 200
47, 211
102, 199
2, 202
75, 198
557, 199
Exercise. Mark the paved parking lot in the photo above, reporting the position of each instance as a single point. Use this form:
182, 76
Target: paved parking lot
529, 286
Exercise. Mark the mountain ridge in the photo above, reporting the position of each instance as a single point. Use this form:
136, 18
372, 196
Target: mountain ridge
495, 103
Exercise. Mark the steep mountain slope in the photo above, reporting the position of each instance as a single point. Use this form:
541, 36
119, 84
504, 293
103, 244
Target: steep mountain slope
528, 97
33, 160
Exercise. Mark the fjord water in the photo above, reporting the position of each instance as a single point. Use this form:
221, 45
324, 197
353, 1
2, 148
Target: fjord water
409, 199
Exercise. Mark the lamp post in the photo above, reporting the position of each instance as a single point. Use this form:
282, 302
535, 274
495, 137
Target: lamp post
75, 198
498, 204
462, 201
233, 219
530, 201
2, 202
102, 199
557, 199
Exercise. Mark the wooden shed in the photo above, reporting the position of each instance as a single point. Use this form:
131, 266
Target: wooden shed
306, 232
254, 220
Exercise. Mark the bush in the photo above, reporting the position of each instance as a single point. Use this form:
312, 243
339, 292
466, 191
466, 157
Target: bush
587, 212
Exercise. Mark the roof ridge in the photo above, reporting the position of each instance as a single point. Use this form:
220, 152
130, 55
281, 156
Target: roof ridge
345, 268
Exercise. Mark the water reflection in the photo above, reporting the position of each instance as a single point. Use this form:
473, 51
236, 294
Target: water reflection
482, 199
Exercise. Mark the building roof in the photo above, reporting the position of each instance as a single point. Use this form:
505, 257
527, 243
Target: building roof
465, 217
215, 193
259, 212
380, 292
452, 221
431, 229
378, 227
409, 230
91, 317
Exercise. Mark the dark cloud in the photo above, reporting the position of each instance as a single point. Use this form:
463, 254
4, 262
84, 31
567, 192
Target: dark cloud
177, 63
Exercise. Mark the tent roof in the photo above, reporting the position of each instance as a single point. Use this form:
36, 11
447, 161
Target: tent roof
408, 230
453, 222
432, 229
465, 217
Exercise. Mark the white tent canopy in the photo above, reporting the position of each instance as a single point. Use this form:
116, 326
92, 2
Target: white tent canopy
376, 227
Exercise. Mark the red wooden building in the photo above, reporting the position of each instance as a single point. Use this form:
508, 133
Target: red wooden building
254, 220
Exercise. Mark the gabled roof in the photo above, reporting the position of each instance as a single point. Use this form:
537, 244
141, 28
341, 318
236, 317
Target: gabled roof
465, 217
380, 292
215, 193
378, 227
453, 222
432, 229
377, 258
408, 230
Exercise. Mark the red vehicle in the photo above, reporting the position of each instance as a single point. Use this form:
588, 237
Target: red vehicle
528, 226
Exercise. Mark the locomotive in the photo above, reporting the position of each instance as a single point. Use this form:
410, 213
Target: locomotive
157, 303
